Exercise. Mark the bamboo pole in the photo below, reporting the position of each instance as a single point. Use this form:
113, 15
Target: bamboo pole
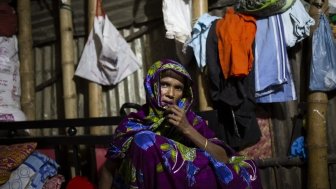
26, 59
200, 7
317, 143
95, 90
67, 51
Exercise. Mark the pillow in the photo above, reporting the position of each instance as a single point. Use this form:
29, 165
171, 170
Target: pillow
4, 176
12, 156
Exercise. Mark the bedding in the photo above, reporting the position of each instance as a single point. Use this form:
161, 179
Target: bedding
23, 167
12, 156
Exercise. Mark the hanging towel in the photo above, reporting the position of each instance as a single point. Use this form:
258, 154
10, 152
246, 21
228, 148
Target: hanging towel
273, 79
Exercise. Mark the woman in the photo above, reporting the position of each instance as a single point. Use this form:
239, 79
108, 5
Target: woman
166, 145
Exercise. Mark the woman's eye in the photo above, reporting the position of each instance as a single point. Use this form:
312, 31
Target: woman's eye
164, 85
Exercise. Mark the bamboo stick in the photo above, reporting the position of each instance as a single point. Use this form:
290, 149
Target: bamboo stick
47, 92
200, 7
67, 51
26, 59
95, 90
317, 143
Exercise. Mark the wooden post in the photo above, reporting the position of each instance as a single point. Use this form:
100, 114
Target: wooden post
67, 60
27, 70
95, 90
200, 7
317, 143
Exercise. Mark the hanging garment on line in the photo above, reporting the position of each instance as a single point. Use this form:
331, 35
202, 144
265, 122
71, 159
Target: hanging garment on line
297, 23
198, 38
233, 99
236, 34
273, 79
177, 19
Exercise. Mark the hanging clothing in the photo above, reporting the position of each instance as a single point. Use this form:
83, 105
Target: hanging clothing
273, 79
297, 23
177, 19
155, 155
233, 98
236, 34
198, 38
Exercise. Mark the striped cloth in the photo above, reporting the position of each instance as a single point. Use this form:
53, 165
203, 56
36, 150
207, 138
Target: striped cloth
273, 79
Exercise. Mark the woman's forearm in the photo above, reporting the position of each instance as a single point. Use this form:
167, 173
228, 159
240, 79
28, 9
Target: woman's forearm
215, 150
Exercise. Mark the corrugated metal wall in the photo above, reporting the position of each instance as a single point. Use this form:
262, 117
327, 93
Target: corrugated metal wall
130, 16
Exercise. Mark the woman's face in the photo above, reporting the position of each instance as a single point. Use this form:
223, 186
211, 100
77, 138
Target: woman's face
171, 90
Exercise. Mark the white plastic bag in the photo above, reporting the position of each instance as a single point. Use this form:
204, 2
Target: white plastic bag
107, 58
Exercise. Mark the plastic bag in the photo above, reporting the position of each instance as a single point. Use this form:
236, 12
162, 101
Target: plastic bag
107, 58
323, 63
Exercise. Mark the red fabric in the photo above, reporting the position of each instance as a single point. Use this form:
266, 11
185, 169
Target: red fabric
8, 20
80, 182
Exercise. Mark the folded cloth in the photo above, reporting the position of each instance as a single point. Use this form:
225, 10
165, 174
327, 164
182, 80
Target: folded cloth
44, 168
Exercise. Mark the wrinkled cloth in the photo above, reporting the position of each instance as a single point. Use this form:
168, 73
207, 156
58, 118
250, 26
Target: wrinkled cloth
236, 33
198, 38
297, 23
177, 19
155, 155
273, 77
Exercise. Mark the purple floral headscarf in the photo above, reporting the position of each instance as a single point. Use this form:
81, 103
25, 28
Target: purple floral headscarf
152, 87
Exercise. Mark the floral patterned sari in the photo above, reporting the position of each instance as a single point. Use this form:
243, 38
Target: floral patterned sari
155, 155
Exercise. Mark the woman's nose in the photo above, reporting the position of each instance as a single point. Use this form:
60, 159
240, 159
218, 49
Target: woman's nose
170, 93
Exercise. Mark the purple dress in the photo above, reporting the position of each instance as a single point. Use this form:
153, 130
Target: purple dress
155, 155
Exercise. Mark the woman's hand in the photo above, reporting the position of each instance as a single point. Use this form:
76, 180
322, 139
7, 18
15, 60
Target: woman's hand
177, 117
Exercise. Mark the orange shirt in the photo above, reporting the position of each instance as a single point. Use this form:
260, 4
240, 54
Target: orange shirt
236, 33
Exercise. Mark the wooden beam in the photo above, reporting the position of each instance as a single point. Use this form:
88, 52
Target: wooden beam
317, 144
27, 69
95, 90
67, 60
199, 7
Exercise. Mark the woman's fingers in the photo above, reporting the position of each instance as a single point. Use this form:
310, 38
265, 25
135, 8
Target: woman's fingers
176, 116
